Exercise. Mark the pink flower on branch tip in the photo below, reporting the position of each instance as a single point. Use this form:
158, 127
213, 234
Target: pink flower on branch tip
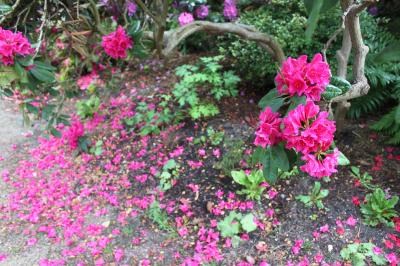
117, 43
297, 77
268, 132
185, 18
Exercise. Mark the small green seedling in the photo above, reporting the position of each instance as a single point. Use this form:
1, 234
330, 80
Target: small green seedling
251, 183
361, 253
315, 197
379, 209
365, 179
170, 172
235, 223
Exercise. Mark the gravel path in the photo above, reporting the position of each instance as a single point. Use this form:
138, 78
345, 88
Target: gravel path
14, 142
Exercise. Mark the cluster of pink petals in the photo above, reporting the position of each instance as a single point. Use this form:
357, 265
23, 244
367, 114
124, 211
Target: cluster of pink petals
268, 132
185, 18
321, 165
13, 44
307, 129
298, 77
201, 12
230, 9
73, 133
117, 43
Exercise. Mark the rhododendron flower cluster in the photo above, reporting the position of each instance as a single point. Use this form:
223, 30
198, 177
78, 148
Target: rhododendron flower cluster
230, 9
201, 12
298, 77
73, 133
13, 44
269, 131
117, 43
185, 18
305, 129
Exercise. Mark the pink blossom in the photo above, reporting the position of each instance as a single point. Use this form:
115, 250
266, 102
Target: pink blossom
117, 43
297, 246
351, 221
201, 12
324, 229
13, 44
297, 77
230, 9
31, 241
118, 254
305, 131
268, 132
217, 153
3, 257
392, 258
377, 250
185, 18
131, 7
319, 166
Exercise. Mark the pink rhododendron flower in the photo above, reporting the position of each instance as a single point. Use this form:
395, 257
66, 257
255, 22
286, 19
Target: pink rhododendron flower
321, 165
324, 228
305, 131
117, 43
351, 221
86, 80
73, 133
230, 9
201, 12
185, 18
2, 257
118, 254
268, 132
131, 7
11, 45
297, 77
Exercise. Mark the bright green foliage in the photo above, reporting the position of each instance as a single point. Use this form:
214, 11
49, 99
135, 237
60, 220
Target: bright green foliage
315, 197
338, 86
379, 209
286, 20
87, 108
215, 137
232, 157
251, 183
170, 171
365, 179
206, 78
97, 149
235, 223
361, 253
382, 69
159, 216
148, 121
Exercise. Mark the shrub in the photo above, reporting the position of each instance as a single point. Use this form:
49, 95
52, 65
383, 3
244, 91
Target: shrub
205, 79
251, 183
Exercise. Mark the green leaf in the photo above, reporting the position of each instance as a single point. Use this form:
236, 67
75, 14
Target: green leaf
240, 177
272, 100
313, 18
296, 101
7, 75
331, 92
42, 75
230, 226
4, 8
55, 132
275, 159
389, 54
342, 159
248, 223
397, 114
326, 5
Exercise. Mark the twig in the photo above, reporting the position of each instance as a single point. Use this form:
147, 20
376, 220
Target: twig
147, 11
96, 17
40, 39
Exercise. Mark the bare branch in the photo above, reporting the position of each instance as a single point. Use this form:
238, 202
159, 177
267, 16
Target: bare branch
147, 11
41, 29
176, 36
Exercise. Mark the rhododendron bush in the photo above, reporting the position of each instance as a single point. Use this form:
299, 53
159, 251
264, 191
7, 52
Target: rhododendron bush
305, 132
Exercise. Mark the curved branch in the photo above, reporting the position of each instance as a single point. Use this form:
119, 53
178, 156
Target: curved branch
176, 36
360, 86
